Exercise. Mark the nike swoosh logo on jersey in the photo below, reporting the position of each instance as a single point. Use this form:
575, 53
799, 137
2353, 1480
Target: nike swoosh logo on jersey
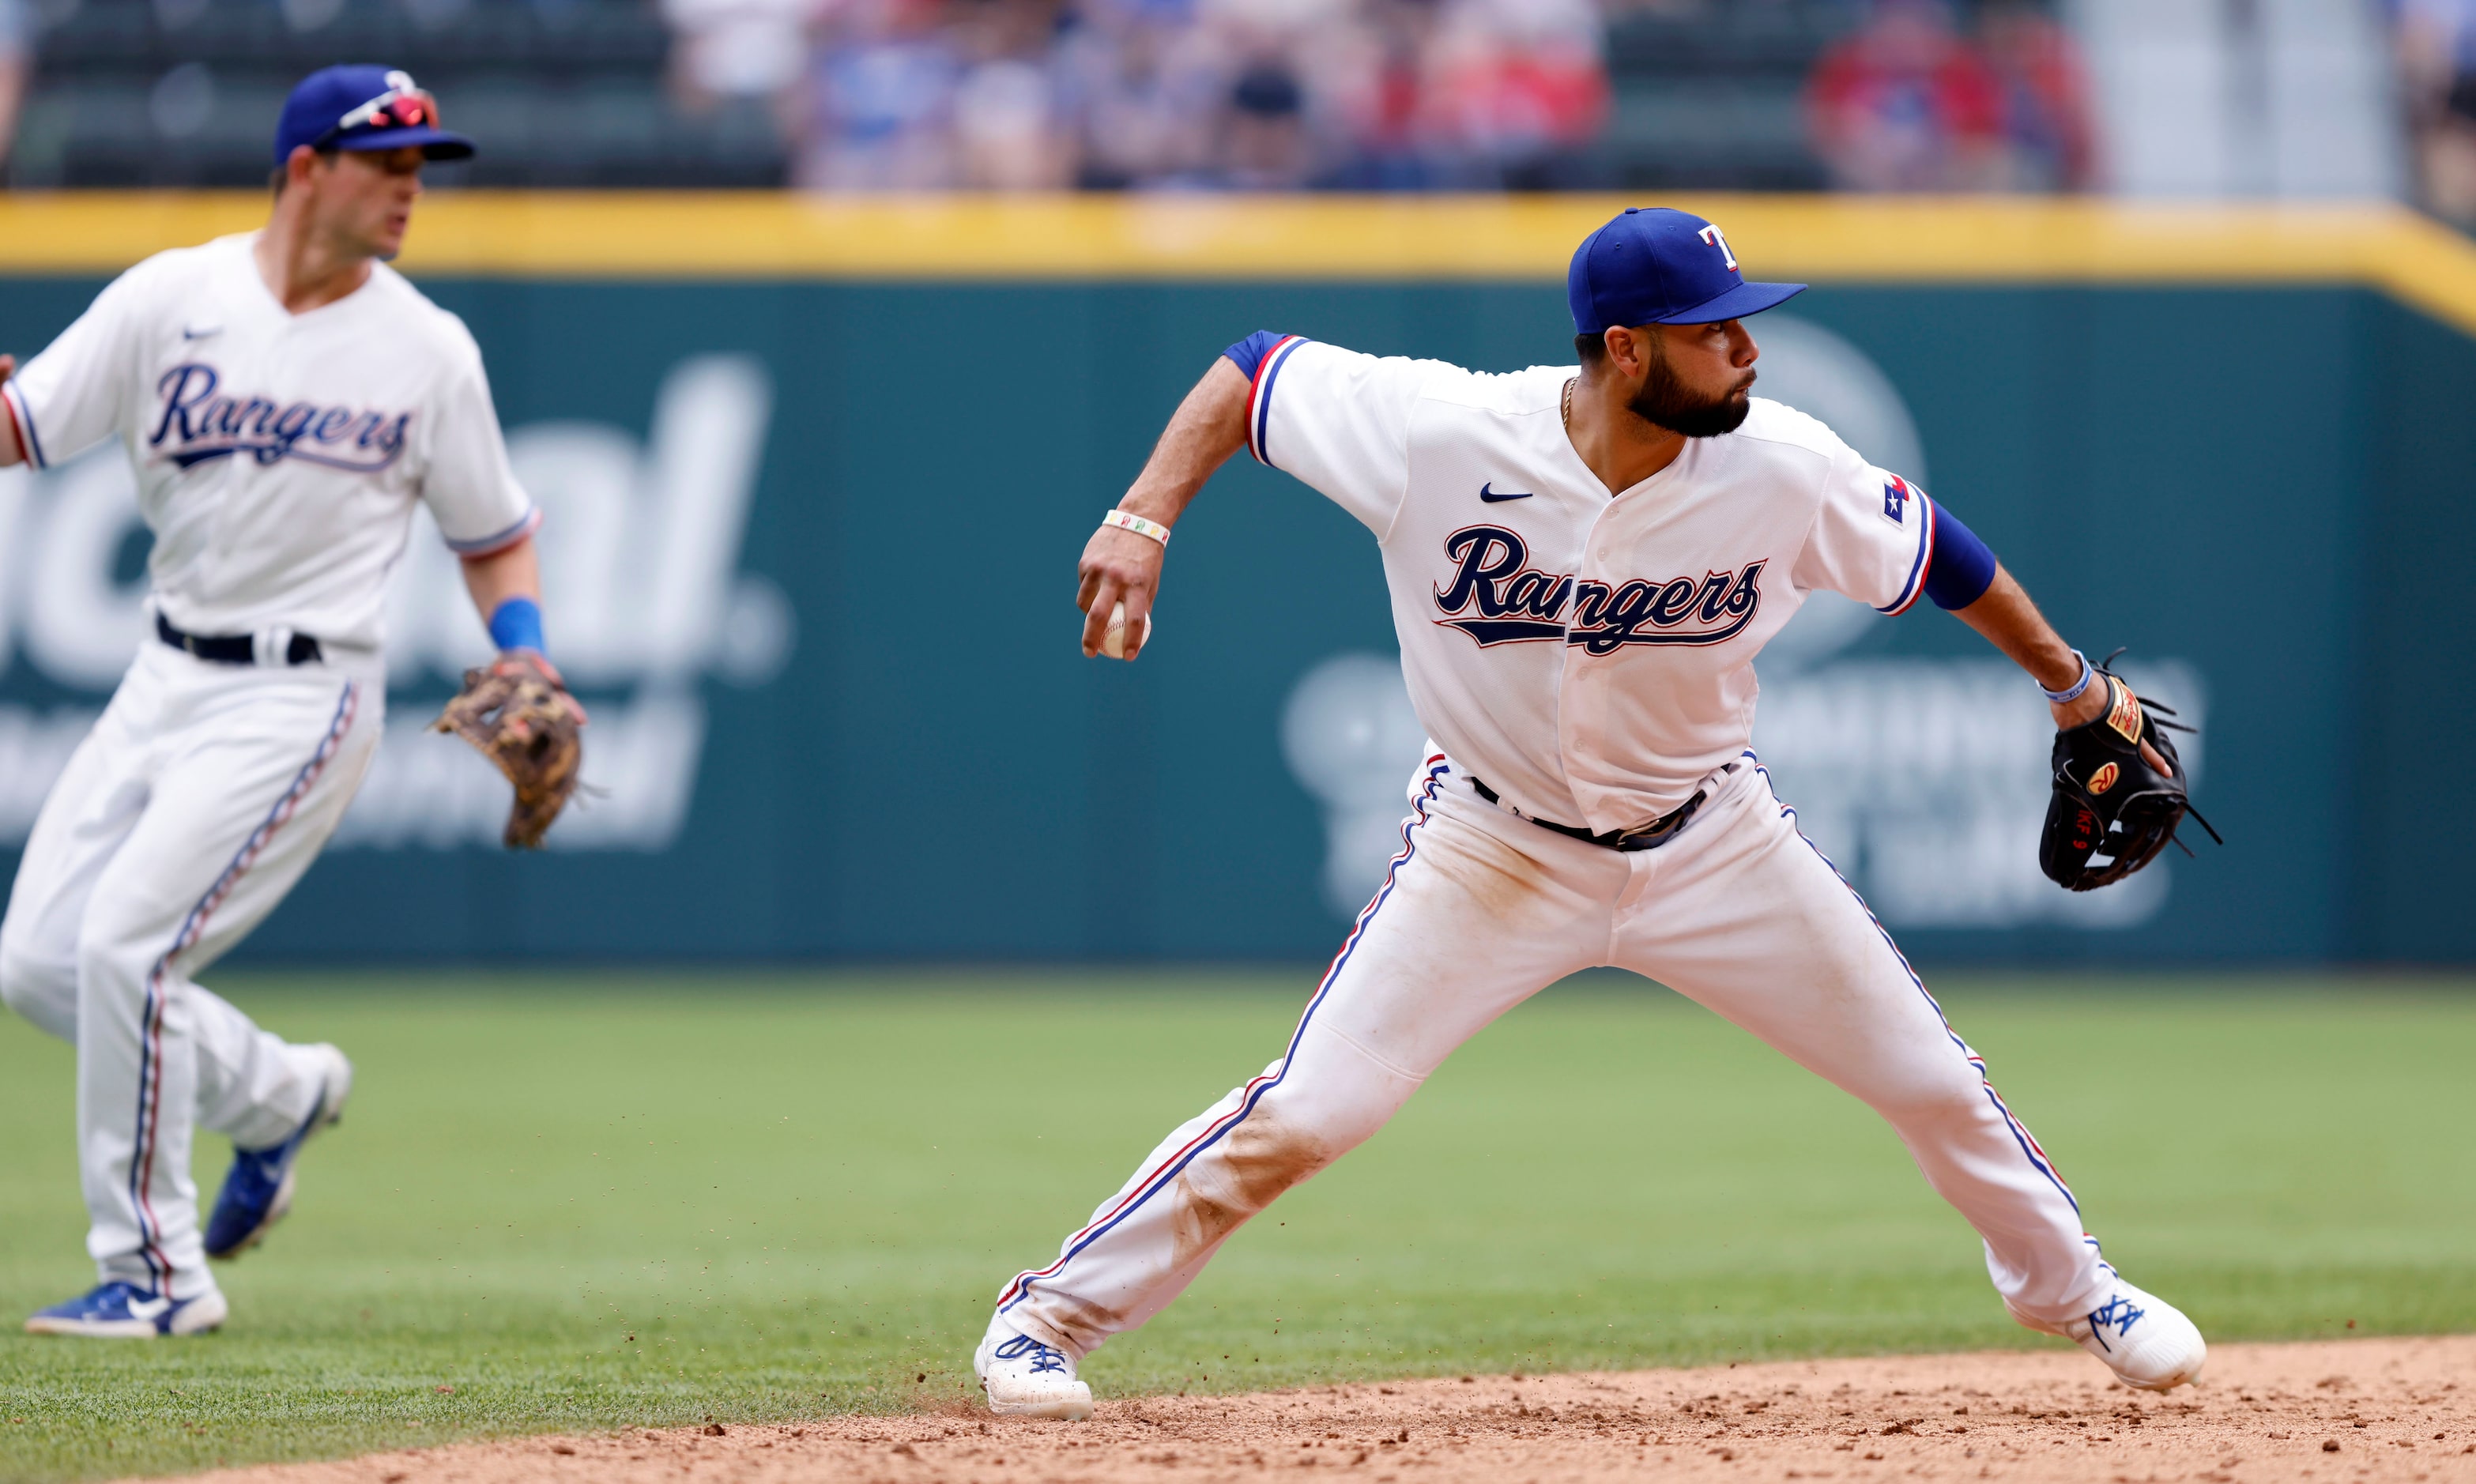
1487, 492
189, 332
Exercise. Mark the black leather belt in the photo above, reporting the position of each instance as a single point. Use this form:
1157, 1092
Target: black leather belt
1642, 837
234, 648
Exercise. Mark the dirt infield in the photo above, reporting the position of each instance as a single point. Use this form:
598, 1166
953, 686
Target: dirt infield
2330, 1413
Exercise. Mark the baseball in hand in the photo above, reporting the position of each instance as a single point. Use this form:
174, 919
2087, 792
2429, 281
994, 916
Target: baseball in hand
1114, 642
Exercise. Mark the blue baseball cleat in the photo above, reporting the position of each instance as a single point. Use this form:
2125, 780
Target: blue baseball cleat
124, 1311
257, 1190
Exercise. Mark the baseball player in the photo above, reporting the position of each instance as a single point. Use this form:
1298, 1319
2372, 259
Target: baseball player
286, 398
1583, 564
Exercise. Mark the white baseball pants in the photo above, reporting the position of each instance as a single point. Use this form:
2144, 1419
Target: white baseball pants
200, 798
1482, 910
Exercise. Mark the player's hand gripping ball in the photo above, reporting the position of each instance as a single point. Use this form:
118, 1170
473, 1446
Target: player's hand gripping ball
2111, 812
518, 714
1113, 642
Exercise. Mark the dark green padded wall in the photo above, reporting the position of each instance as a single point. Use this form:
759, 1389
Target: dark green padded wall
2272, 483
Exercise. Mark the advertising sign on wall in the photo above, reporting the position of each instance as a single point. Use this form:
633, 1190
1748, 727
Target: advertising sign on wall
810, 557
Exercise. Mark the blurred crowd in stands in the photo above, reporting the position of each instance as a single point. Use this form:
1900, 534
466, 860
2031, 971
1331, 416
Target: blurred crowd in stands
901, 95
16, 64
2437, 73
1913, 103
1193, 94
1351, 94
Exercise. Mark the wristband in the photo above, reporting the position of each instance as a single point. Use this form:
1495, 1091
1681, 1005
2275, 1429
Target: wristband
2065, 697
517, 625
1151, 529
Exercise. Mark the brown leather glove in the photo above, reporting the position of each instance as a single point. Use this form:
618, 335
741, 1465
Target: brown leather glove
518, 714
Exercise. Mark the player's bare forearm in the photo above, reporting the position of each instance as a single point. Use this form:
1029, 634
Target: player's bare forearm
10, 452
511, 571
1122, 566
1208, 427
2010, 620
2012, 623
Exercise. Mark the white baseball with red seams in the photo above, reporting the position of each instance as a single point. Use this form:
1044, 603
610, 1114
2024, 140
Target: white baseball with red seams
1587, 657
279, 458
1113, 638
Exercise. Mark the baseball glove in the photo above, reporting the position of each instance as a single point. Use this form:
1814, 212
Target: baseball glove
2110, 805
518, 714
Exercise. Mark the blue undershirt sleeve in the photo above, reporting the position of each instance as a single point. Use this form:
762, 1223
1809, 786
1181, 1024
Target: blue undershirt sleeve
1962, 568
1249, 354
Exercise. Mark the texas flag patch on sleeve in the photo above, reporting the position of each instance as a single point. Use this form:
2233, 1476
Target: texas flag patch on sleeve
1896, 494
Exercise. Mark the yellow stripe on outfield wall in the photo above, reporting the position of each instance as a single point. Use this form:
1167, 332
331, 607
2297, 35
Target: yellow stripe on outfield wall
695, 234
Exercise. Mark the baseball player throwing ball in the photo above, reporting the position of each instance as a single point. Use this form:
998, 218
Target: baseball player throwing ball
1583, 564
286, 398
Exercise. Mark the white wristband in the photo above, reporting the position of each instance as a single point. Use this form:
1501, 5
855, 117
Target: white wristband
2089, 673
1141, 527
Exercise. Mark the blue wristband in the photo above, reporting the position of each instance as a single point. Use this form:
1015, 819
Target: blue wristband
517, 625
2089, 673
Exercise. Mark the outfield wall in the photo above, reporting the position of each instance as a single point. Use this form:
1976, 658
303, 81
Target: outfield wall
818, 475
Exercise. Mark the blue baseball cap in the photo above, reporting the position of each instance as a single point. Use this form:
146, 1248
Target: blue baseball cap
361, 108
1650, 266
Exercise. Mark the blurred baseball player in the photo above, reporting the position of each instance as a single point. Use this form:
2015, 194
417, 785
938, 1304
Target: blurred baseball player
286, 398
1583, 564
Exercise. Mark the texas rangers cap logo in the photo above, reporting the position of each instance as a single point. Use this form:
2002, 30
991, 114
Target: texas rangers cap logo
364, 108
1653, 266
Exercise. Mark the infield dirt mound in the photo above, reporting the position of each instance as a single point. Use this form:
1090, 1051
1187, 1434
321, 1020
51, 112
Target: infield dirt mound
2330, 1413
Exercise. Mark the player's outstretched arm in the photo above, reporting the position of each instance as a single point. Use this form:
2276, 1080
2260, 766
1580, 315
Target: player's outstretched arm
2011, 622
1122, 566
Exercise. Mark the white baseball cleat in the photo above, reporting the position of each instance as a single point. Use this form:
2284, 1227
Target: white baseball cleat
1026, 1379
2145, 1341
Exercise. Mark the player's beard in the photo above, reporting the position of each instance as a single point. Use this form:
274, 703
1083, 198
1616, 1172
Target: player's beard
1665, 400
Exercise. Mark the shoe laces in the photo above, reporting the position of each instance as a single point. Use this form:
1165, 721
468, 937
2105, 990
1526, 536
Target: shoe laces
1045, 1358
2118, 1313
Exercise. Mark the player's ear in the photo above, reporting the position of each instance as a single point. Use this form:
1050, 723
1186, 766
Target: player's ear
1629, 350
300, 166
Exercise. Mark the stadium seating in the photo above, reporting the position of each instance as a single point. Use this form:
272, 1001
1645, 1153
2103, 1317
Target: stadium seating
1711, 96
571, 92
185, 92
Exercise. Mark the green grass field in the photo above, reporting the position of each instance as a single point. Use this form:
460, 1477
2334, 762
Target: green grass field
579, 1202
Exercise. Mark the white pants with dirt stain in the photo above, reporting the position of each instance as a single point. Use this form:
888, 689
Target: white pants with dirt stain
198, 800
1482, 910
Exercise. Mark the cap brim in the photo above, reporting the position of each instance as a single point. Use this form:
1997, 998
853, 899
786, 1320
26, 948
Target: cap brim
1736, 304
433, 144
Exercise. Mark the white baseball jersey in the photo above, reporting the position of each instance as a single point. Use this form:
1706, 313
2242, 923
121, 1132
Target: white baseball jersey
1588, 655
277, 454
278, 458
